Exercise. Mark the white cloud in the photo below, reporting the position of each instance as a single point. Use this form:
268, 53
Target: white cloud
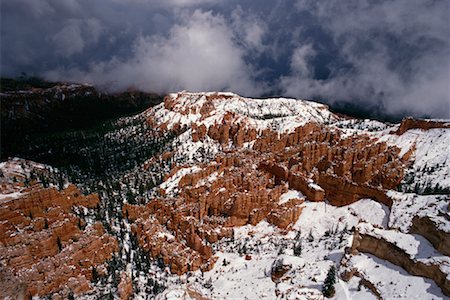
36, 9
300, 64
198, 55
166, 3
249, 28
396, 54
75, 34
393, 53
68, 41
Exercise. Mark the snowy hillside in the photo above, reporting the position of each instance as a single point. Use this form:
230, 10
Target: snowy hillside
278, 114
325, 231
216, 196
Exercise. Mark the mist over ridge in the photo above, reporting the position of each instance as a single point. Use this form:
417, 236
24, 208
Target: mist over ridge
389, 56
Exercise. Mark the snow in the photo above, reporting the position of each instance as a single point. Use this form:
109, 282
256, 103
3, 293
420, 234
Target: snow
431, 156
408, 205
239, 278
392, 281
210, 179
323, 230
20, 169
174, 294
415, 246
353, 290
171, 184
315, 187
279, 114
168, 236
10, 196
189, 152
319, 217
291, 194
228, 283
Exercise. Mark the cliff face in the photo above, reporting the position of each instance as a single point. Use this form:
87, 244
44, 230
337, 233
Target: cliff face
427, 228
46, 248
321, 163
400, 249
226, 193
410, 123
30, 110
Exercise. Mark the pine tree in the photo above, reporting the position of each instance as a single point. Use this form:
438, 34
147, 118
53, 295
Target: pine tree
310, 236
328, 285
298, 248
208, 284
94, 274
60, 181
70, 296
58, 242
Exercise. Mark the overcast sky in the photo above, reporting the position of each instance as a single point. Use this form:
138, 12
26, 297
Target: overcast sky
390, 54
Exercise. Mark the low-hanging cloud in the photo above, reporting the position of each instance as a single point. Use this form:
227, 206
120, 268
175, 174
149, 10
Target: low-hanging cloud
384, 54
397, 55
199, 54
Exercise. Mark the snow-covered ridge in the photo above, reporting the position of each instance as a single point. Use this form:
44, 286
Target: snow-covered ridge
279, 114
15, 177
415, 246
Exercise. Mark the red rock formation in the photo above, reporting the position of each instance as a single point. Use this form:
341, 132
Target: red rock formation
410, 123
125, 287
279, 268
392, 253
198, 132
44, 247
430, 230
286, 214
319, 163
312, 191
229, 130
340, 191
205, 210
243, 186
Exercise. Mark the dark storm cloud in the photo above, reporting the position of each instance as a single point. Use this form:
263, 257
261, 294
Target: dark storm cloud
391, 54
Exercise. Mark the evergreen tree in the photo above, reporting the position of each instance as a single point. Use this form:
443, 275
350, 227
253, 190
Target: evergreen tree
70, 296
58, 241
310, 236
328, 285
60, 181
298, 248
94, 274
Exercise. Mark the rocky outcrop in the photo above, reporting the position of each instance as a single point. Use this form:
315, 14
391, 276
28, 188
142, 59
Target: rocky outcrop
340, 191
384, 249
428, 229
231, 191
125, 288
46, 248
312, 191
198, 132
279, 269
348, 274
303, 156
229, 130
321, 164
410, 123
180, 257
257, 165
243, 184
286, 214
